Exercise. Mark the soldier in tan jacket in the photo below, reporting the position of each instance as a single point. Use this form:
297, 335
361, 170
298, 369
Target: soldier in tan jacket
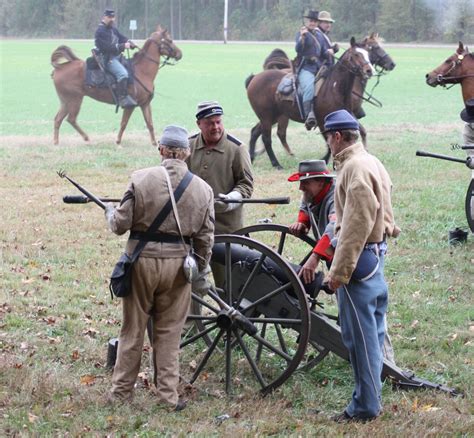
224, 163
364, 219
159, 287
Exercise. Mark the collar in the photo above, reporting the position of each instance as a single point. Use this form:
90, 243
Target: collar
348, 153
173, 162
219, 147
322, 194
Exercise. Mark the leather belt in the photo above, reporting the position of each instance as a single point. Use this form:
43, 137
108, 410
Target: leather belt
158, 237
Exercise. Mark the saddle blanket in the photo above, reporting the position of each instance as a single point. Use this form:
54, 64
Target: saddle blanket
95, 77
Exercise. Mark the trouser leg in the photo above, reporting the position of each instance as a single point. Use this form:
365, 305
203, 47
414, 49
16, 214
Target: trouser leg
362, 306
135, 310
172, 300
115, 67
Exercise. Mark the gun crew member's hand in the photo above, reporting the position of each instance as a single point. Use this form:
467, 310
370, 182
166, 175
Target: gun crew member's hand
332, 283
222, 207
303, 31
298, 229
308, 270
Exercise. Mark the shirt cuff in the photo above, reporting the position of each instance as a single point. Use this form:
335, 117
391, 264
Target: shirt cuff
321, 247
303, 218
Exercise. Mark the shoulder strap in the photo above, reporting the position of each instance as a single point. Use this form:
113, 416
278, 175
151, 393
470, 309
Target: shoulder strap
164, 212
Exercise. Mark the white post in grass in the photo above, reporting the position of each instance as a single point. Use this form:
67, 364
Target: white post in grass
226, 10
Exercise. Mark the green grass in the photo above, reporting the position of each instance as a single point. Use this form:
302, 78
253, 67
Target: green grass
55, 309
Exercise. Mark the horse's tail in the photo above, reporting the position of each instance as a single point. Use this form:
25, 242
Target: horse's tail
248, 80
62, 55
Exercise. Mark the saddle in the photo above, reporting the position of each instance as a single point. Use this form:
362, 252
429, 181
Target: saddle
97, 76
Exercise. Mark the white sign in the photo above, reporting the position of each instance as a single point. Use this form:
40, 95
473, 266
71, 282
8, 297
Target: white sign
133, 24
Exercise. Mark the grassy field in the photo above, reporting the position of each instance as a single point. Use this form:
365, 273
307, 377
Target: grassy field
56, 315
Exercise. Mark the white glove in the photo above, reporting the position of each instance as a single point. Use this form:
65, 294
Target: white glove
109, 212
222, 207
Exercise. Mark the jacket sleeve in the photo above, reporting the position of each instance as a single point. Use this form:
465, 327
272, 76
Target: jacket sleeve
121, 221
359, 217
203, 240
243, 174
299, 43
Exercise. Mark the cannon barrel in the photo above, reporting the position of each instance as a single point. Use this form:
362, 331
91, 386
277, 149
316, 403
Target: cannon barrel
440, 157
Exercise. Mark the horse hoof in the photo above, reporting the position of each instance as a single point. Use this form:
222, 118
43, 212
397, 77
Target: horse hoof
278, 167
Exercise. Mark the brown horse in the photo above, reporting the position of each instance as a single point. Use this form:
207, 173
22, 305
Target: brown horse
335, 93
378, 57
457, 69
69, 75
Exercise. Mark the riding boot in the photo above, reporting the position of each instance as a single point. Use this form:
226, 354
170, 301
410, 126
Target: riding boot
310, 122
125, 101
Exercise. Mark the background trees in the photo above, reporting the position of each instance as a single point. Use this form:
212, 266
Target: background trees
396, 20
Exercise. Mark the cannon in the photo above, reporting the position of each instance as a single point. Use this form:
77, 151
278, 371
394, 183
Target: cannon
261, 324
469, 162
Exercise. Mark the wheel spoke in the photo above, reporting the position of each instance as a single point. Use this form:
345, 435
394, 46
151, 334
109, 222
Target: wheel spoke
228, 272
204, 303
254, 366
276, 320
197, 336
263, 332
281, 243
254, 272
267, 344
267, 296
228, 361
206, 356
281, 339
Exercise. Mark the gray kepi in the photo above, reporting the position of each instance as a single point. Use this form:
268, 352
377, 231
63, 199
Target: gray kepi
175, 137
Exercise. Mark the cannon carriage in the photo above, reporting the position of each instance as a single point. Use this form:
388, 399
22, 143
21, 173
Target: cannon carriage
260, 324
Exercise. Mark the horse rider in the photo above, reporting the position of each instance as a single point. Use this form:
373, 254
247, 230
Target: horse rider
317, 213
111, 43
364, 219
314, 50
160, 290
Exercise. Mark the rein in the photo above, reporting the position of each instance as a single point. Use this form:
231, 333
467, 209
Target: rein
370, 95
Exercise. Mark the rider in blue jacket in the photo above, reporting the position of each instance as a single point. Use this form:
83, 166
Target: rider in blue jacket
315, 49
111, 43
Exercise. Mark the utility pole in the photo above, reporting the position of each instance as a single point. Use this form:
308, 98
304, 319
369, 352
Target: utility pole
226, 11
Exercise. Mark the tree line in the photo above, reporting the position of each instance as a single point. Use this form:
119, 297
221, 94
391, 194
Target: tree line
271, 20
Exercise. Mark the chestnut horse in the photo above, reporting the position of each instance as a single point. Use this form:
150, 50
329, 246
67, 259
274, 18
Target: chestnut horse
69, 75
335, 93
457, 69
378, 57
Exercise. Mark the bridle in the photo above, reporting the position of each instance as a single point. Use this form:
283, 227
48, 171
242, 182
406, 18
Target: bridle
357, 70
162, 45
442, 79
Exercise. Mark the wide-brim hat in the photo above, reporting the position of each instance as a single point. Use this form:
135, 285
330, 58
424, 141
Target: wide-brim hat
340, 120
309, 169
467, 114
208, 108
325, 16
312, 15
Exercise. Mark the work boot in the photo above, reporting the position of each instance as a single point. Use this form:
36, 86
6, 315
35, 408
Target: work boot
310, 121
125, 101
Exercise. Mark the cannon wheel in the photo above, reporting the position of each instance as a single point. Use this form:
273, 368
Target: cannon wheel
278, 240
246, 344
470, 205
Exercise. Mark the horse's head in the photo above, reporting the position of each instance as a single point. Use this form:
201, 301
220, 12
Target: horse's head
166, 47
452, 70
377, 55
356, 59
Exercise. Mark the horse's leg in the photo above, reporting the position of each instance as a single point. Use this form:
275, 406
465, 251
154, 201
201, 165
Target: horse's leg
127, 112
73, 110
58, 120
146, 110
254, 134
267, 141
281, 132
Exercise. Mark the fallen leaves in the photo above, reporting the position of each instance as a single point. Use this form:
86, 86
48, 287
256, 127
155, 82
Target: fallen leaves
88, 380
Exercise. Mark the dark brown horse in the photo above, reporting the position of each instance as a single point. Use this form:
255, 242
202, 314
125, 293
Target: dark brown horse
69, 75
377, 56
457, 69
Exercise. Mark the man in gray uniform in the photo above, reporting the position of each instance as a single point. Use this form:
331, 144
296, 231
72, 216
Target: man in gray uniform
159, 287
224, 163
